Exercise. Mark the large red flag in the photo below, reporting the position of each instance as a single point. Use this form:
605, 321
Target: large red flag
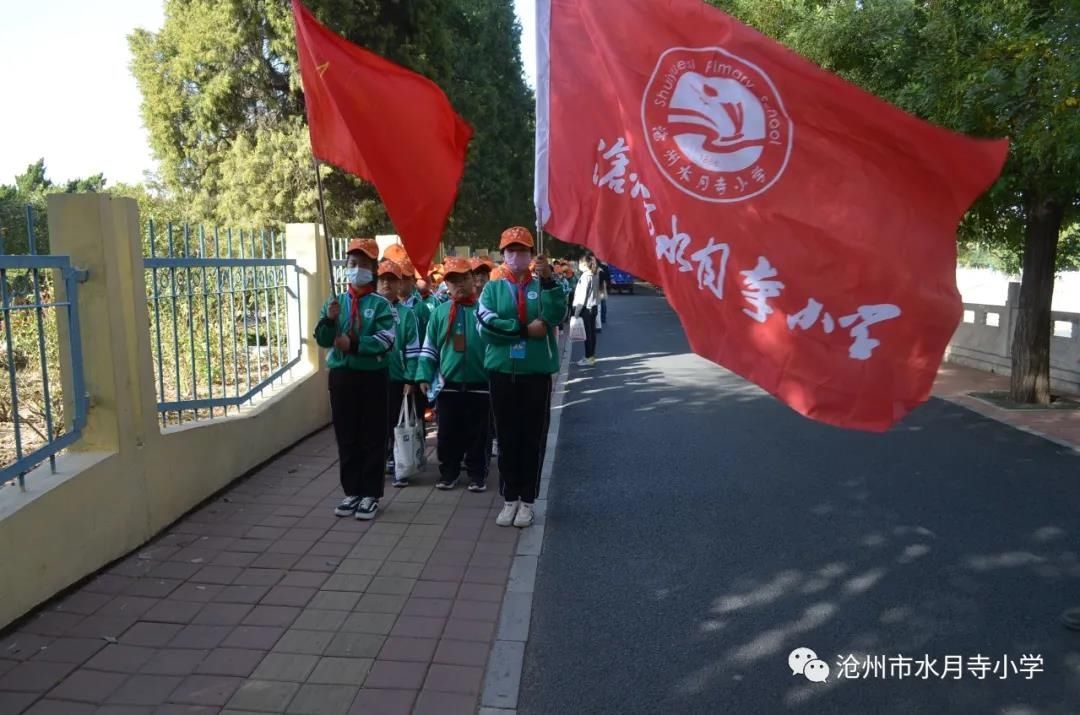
804, 231
387, 125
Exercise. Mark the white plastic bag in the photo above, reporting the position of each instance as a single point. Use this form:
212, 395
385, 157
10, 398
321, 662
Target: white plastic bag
577, 329
408, 441
599, 323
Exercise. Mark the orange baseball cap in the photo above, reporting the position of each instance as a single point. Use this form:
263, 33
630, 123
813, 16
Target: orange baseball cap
482, 263
407, 270
388, 266
516, 234
454, 264
396, 253
367, 246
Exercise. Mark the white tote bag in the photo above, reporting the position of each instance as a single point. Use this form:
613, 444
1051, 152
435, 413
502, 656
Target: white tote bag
577, 329
408, 441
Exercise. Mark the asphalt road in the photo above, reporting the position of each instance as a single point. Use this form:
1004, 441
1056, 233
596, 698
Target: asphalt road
699, 531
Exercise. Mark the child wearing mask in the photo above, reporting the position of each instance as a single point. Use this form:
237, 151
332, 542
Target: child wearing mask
518, 314
402, 358
453, 346
358, 327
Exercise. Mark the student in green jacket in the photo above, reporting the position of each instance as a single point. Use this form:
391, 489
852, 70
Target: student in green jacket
402, 358
482, 269
358, 326
414, 301
518, 314
453, 346
411, 298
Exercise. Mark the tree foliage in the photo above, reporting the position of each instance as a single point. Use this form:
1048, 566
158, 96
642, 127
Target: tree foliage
986, 68
224, 107
31, 188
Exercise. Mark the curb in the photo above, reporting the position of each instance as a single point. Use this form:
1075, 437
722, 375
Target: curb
502, 679
961, 401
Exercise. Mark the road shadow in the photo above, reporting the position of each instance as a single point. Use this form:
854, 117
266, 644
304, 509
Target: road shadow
699, 531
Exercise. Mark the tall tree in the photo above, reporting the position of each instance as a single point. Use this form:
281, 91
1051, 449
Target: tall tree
224, 106
985, 68
29, 189
1013, 68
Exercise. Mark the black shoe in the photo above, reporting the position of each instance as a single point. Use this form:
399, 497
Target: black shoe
390, 467
347, 507
445, 484
369, 506
477, 487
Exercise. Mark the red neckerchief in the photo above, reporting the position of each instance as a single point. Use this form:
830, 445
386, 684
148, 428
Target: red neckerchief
471, 300
522, 306
355, 294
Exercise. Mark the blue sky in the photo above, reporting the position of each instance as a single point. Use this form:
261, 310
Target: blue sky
70, 96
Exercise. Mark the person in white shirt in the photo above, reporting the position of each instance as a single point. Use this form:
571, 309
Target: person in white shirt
586, 300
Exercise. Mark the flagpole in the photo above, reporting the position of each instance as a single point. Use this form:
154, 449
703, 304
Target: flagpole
326, 229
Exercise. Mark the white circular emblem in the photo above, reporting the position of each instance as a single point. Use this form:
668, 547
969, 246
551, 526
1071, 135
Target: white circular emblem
715, 124
533, 295
369, 312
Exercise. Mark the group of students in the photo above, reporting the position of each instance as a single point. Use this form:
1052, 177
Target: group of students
487, 333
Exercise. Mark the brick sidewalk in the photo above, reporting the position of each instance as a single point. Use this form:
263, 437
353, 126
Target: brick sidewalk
263, 601
955, 381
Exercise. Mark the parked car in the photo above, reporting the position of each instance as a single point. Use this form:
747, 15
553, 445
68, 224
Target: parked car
621, 280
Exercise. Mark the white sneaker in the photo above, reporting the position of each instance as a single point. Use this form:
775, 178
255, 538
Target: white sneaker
524, 516
506, 516
368, 508
347, 507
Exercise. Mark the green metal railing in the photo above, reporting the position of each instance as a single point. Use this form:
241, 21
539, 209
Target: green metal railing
33, 424
221, 303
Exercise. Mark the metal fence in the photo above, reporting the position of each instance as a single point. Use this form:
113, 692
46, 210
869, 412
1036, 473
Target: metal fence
35, 421
221, 303
339, 259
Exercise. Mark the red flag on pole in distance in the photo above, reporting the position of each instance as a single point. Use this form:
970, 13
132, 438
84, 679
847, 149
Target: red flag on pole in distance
386, 124
803, 230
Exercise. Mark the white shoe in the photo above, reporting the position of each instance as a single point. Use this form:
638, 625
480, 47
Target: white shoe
524, 516
368, 508
506, 516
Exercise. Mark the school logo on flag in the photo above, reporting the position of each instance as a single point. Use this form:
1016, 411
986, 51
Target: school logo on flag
715, 124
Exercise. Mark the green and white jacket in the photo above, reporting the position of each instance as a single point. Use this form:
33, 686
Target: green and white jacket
406, 350
505, 335
371, 345
438, 353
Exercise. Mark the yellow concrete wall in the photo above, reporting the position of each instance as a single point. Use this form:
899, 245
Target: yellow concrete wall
126, 480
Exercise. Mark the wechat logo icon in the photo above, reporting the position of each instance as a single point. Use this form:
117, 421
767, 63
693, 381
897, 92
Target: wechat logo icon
804, 661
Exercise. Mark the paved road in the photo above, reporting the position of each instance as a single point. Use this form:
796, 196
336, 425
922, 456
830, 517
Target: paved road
699, 531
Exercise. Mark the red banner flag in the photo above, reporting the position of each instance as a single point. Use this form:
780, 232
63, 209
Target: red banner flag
803, 230
385, 124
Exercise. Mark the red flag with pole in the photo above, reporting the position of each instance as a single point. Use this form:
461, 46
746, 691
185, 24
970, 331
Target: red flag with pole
387, 125
803, 230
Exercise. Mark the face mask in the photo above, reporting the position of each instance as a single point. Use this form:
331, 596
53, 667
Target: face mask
358, 276
517, 262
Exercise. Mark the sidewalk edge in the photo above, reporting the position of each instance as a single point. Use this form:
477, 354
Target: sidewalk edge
960, 401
